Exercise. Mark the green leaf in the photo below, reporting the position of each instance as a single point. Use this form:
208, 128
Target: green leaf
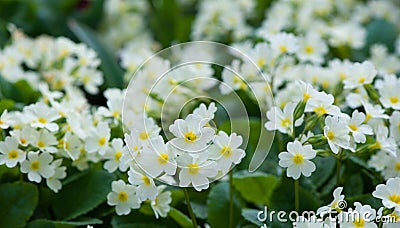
255, 187
17, 203
113, 74
282, 197
19, 91
251, 216
39, 223
6, 104
381, 31
218, 206
82, 195
326, 167
180, 218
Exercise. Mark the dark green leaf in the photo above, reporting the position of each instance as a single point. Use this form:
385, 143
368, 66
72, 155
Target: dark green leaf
180, 218
82, 195
39, 223
17, 203
113, 74
251, 216
255, 187
218, 206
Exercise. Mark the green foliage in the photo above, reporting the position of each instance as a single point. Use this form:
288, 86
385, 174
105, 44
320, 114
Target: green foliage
19, 91
255, 187
39, 223
251, 216
180, 218
17, 203
83, 194
113, 74
218, 206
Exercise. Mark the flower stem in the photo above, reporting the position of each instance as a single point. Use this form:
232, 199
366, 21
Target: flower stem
189, 206
338, 167
296, 195
231, 199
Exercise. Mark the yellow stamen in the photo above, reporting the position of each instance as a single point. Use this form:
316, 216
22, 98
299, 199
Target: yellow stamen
41, 144
144, 135
42, 120
190, 137
35, 165
102, 141
286, 123
331, 135
122, 196
353, 127
395, 198
146, 180
298, 159
309, 49
13, 154
118, 155
394, 100
226, 151
163, 159
320, 110
193, 168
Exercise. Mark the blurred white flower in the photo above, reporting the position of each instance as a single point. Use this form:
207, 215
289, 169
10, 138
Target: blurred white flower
10, 154
123, 197
37, 166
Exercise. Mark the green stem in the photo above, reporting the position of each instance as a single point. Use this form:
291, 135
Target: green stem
296, 195
189, 206
231, 199
338, 167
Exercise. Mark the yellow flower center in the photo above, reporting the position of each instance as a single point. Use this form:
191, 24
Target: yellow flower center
41, 144
309, 49
306, 96
283, 48
115, 114
1, 122
144, 135
394, 217
67, 145
298, 159
395, 198
122, 196
163, 159
102, 141
320, 110
35, 165
146, 180
118, 155
353, 127
394, 100
22, 140
397, 167
359, 223
13, 154
261, 62
42, 120
226, 151
193, 168
368, 117
361, 80
331, 135
342, 76
135, 148
285, 123
190, 137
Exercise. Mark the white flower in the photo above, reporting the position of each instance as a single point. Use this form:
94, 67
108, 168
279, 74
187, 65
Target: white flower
10, 154
360, 74
146, 127
123, 197
190, 133
337, 198
114, 156
204, 112
42, 116
232, 78
395, 126
379, 160
53, 182
196, 170
322, 104
284, 43
5, 120
45, 141
384, 142
158, 157
146, 189
24, 136
98, 140
337, 133
134, 144
388, 91
374, 112
392, 165
297, 159
72, 145
312, 48
115, 99
357, 129
38, 166
160, 205
226, 151
282, 121
361, 216
389, 193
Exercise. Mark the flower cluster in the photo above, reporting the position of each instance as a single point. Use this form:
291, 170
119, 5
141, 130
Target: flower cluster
58, 61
